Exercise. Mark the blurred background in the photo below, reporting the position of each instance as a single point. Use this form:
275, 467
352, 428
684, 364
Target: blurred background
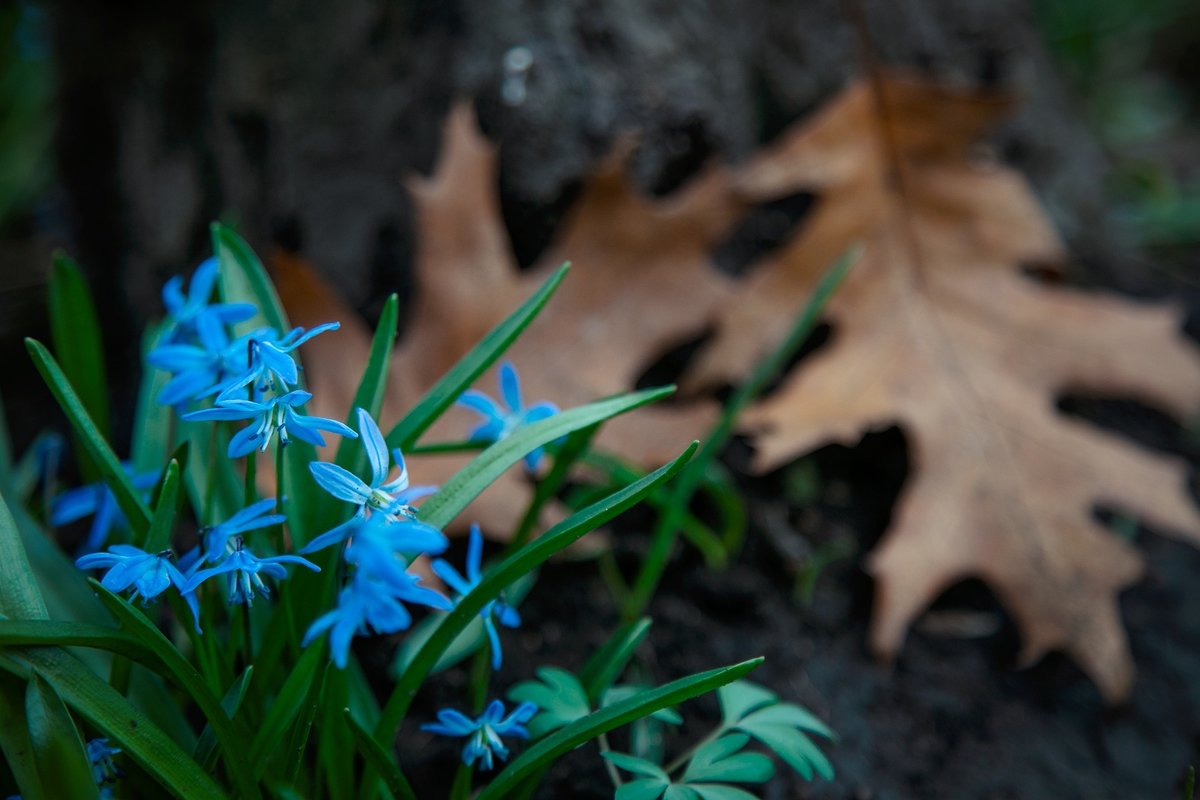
129, 126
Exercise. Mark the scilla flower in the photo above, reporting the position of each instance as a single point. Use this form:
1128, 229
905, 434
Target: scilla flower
376, 543
369, 605
98, 499
192, 313
104, 769
277, 415
244, 571
270, 364
250, 518
500, 422
149, 573
392, 498
485, 731
495, 611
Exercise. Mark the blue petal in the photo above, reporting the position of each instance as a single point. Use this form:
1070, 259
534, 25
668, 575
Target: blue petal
510, 386
227, 411
450, 576
247, 440
75, 504
248, 518
481, 403
474, 553
333, 536
203, 281
494, 642
375, 446
537, 412
341, 483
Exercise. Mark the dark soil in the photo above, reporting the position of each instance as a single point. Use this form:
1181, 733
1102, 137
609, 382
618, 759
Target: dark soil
952, 718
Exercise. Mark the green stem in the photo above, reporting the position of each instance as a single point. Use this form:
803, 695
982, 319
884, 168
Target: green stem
691, 751
461, 788
609, 767
280, 464
251, 477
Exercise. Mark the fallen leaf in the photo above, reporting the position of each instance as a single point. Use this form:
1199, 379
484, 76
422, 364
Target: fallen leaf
937, 330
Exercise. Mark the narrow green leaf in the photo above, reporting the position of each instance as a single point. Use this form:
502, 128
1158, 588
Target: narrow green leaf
283, 711
48, 633
14, 738
91, 440
205, 751
457, 493
506, 572
75, 332
443, 393
1189, 784
245, 280
151, 421
545, 751
163, 521
6, 451
20, 597
117, 719
58, 748
231, 734
379, 760
606, 665
350, 454
302, 727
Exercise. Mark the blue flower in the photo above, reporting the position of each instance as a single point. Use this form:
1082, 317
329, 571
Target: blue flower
191, 313
484, 732
98, 499
244, 568
149, 573
250, 518
392, 498
104, 770
376, 542
500, 422
277, 414
496, 610
368, 605
270, 364
200, 368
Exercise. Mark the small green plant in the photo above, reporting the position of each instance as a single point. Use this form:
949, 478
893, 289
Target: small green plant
215, 692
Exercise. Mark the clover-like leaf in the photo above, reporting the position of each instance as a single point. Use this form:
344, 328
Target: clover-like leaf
756, 711
740, 698
651, 786
559, 696
720, 760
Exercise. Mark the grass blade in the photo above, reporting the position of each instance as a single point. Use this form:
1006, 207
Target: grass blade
379, 761
75, 332
465, 486
14, 738
506, 572
52, 633
163, 522
110, 713
284, 710
205, 751
245, 280
151, 422
91, 439
350, 453
20, 597
58, 749
443, 393
543, 752
606, 664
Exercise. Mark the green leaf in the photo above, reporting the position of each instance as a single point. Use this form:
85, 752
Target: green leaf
715, 791
739, 699
91, 440
789, 715
457, 493
793, 747
205, 751
116, 718
615, 694
638, 766
506, 572
47, 633
231, 734
75, 332
284, 710
545, 751
443, 393
351, 454
151, 422
58, 749
559, 697
163, 522
380, 761
14, 738
642, 789
719, 760
1189, 784
606, 664
20, 597
245, 280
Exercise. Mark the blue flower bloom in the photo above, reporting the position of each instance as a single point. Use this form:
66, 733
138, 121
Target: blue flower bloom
104, 770
250, 518
244, 568
368, 605
98, 499
500, 422
270, 364
496, 610
149, 573
200, 368
383, 547
191, 313
485, 731
392, 499
277, 414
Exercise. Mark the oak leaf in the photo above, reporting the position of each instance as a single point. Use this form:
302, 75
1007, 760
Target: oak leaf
937, 330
